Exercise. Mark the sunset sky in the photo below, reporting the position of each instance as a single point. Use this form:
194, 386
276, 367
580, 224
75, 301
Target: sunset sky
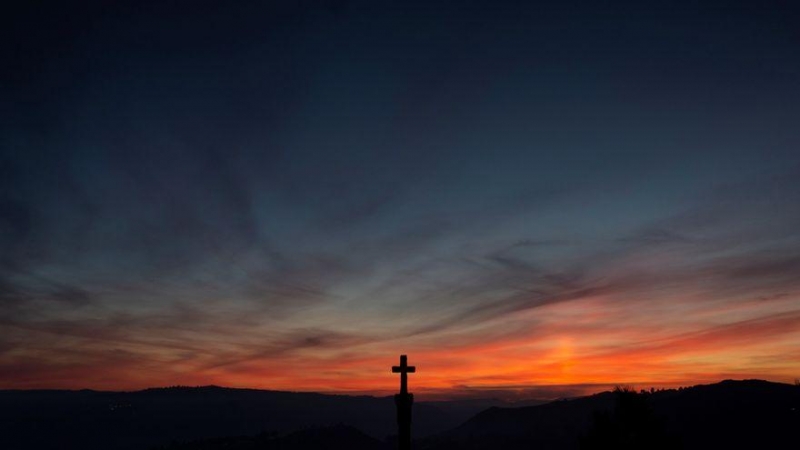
530, 199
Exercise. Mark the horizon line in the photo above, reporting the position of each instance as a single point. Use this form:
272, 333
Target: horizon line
438, 394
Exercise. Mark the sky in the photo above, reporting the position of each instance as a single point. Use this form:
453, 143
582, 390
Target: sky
530, 199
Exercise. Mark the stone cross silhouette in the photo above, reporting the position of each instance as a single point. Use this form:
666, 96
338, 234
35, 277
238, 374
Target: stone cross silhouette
403, 369
403, 401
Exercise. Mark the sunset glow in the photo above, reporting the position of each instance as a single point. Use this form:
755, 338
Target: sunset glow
292, 197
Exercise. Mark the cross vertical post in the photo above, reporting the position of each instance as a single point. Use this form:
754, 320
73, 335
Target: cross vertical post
404, 400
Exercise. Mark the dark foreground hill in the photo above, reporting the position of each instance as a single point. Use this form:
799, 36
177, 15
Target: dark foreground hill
89, 420
337, 436
731, 414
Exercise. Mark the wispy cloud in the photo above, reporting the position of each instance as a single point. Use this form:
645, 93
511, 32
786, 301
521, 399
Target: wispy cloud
270, 211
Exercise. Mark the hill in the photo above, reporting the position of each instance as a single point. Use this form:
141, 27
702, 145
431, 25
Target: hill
48, 419
729, 414
337, 436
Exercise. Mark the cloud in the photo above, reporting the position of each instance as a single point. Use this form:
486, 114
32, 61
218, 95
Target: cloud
245, 209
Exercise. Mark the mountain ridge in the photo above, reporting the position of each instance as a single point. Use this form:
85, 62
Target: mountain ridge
760, 413
728, 414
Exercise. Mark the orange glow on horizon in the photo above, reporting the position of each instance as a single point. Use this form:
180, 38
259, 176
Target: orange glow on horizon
569, 347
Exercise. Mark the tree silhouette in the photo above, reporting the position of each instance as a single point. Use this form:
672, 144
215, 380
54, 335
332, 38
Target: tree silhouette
630, 425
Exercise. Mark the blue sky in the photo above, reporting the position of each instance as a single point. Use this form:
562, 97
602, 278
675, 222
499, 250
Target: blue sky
520, 195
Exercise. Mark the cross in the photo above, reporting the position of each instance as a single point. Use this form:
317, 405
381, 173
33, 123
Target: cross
403, 369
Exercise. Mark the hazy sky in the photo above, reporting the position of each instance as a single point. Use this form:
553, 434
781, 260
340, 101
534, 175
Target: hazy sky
289, 195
